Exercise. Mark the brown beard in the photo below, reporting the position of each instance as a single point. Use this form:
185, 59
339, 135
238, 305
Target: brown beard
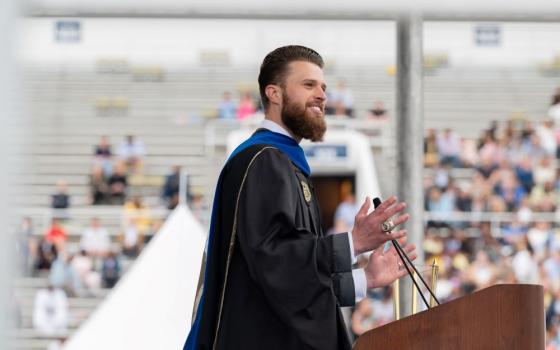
294, 116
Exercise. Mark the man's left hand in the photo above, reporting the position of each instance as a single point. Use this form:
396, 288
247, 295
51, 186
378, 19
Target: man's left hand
385, 267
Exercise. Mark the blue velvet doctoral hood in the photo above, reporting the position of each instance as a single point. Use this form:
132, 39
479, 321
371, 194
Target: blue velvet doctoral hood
261, 137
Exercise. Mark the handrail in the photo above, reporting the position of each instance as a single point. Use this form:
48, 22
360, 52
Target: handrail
43, 216
494, 219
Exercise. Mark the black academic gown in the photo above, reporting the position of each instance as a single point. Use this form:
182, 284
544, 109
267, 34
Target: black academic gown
285, 280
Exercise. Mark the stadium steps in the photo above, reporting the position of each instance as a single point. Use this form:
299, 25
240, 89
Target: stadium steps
25, 289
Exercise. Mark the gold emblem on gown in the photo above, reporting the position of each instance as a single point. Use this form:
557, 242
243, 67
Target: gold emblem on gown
306, 191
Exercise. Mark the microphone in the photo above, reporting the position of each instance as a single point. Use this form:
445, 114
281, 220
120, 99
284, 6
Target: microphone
406, 261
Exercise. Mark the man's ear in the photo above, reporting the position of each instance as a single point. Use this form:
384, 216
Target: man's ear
274, 94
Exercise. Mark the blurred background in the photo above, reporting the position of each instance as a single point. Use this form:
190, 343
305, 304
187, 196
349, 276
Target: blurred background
119, 118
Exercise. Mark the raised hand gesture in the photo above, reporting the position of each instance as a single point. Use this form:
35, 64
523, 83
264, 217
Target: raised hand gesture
368, 232
384, 267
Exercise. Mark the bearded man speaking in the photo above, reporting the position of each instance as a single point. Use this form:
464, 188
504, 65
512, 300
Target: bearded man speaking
271, 279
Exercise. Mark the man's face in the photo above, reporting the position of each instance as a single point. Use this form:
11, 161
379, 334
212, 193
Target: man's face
303, 101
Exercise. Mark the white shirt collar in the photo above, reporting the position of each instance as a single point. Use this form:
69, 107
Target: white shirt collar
272, 126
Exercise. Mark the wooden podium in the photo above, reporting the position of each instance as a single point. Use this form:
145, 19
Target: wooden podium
501, 317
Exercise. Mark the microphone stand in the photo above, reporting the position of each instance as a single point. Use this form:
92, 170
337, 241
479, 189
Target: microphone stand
406, 261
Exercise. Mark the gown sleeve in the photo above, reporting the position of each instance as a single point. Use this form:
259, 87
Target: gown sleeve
303, 276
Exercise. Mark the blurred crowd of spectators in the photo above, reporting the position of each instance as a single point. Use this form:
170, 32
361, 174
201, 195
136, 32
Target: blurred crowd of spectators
247, 106
109, 175
511, 169
79, 268
340, 103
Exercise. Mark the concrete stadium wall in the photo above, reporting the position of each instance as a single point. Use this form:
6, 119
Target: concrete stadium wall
181, 41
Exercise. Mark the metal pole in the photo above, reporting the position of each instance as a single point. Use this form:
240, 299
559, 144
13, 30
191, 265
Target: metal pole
409, 130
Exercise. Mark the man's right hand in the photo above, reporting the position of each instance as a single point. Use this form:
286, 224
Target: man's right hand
367, 233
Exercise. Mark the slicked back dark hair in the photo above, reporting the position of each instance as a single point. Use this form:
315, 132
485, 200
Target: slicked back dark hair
274, 67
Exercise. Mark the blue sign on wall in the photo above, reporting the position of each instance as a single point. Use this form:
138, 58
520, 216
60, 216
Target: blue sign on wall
68, 31
488, 35
326, 152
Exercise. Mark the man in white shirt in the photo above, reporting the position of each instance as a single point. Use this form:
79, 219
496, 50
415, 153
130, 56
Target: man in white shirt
95, 239
50, 312
132, 152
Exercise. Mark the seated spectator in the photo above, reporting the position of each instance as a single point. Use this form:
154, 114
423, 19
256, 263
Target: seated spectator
551, 267
524, 265
539, 237
340, 101
488, 150
103, 155
514, 232
547, 135
246, 106
95, 239
111, 270
362, 317
464, 198
170, 190
524, 173
544, 197
60, 200
496, 204
509, 132
26, 247
431, 154
130, 239
442, 176
439, 202
131, 151
378, 112
383, 307
63, 276
510, 191
469, 154
51, 312
524, 213
100, 192
46, 254
482, 273
56, 234
117, 185
83, 265
486, 167
227, 109
545, 171
527, 131
139, 212
345, 213
449, 148
533, 148
554, 110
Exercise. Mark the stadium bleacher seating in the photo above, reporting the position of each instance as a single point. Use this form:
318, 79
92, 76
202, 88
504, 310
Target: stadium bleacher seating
69, 110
